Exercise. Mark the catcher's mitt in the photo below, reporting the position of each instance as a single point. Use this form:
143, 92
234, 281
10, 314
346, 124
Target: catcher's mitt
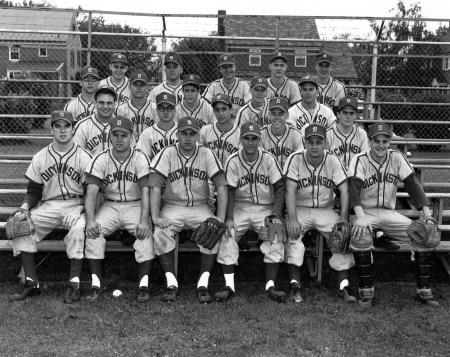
19, 224
209, 233
339, 241
424, 231
362, 242
273, 230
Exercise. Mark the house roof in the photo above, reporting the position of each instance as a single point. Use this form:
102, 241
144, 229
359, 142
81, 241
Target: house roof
29, 19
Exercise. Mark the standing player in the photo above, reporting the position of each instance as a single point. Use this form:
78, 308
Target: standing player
311, 175
374, 176
173, 83
83, 104
54, 196
139, 109
118, 80
234, 87
279, 138
121, 173
193, 105
255, 190
309, 111
256, 109
279, 84
330, 90
184, 169
164, 132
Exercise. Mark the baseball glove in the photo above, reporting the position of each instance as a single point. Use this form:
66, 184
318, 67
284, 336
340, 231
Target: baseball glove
424, 231
362, 242
209, 233
273, 230
19, 224
339, 241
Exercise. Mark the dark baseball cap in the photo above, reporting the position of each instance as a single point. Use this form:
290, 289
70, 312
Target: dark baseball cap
258, 81
165, 97
279, 102
380, 128
324, 57
121, 123
308, 79
119, 57
350, 101
226, 58
139, 75
188, 123
315, 130
192, 79
89, 71
105, 89
62, 115
172, 57
250, 128
277, 55
221, 98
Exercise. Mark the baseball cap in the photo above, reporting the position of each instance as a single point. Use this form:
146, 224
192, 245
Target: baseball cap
250, 128
277, 55
119, 57
308, 79
315, 130
192, 79
350, 101
279, 102
258, 81
165, 97
221, 98
121, 123
139, 75
188, 123
62, 115
105, 89
379, 129
89, 71
172, 57
226, 58
324, 57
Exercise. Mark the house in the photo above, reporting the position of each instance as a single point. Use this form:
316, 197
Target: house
444, 79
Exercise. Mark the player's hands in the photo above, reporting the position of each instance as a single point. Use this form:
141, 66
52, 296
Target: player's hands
142, 230
230, 228
359, 227
92, 229
219, 219
162, 222
294, 228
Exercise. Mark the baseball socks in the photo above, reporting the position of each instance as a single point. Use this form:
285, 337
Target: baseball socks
343, 277
95, 267
423, 272
206, 265
167, 262
271, 276
229, 290
31, 286
144, 272
73, 292
294, 286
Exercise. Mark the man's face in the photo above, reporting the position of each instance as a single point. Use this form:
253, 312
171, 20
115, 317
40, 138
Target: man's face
173, 70
105, 105
228, 71
379, 145
89, 84
62, 131
222, 112
138, 89
118, 70
315, 146
323, 69
278, 117
347, 116
250, 143
308, 92
120, 140
166, 112
259, 93
278, 68
190, 93
187, 139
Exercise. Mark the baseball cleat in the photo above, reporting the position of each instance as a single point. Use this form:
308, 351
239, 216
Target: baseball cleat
344, 294
143, 294
28, 290
94, 294
425, 296
203, 295
170, 294
73, 293
225, 294
294, 293
365, 303
385, 243
276, 295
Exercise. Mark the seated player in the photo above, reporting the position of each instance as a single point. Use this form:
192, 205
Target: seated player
55, 200
374, 176
117, 80
256, 109
185, 169
121, 174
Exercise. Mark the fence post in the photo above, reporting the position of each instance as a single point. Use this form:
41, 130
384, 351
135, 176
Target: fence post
374, 79
163, 48
88, 58
277, 35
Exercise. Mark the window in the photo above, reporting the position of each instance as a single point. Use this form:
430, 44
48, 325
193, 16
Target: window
300, 58
14, 53
254, 58
446, 63
42, 52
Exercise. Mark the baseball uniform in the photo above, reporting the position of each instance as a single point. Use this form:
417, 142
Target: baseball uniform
223, 144
202, 112
154, 139
249, 113
288, 89
79, 108
239, 93
142, 118
177, 91
331, 93
122, 90
300, 117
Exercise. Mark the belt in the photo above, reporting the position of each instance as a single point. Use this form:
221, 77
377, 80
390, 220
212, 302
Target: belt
106, 199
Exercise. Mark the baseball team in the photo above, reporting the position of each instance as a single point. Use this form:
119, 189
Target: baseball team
157, 163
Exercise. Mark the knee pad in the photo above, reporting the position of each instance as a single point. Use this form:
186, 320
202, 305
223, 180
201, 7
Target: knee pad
364, 266
423, 269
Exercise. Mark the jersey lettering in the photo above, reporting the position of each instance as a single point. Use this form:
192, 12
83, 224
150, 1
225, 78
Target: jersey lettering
61, 169
315, 181
222, 145
277, 151
252, 178
96, 141
161, 144
344, 148
380, 178
187, 172
120, 176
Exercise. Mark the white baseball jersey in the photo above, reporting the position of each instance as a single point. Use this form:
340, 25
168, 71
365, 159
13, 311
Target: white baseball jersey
239, 93
253, 181
79, 108
177, 91
281, 146
223, 144
154, 139
346, 146
203, 112
288, 89
186, 177
300, 117
314, 185
120, 179
123, 91
142, 118
249, 113
92, 135
331, 93
62, 174
379, 181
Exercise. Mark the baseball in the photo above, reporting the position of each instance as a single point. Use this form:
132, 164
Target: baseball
117, 293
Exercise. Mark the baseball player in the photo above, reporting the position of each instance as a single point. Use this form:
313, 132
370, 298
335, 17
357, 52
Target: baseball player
311, 175
118, 80
346, 139
278, 84
121, 173
279, 138
173, 83
184, 169
139, 109
330, 89
54, 197
256, 109
237, 89
164, 132
374, 176
193, 105
309, 111
255, 190
83, 104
